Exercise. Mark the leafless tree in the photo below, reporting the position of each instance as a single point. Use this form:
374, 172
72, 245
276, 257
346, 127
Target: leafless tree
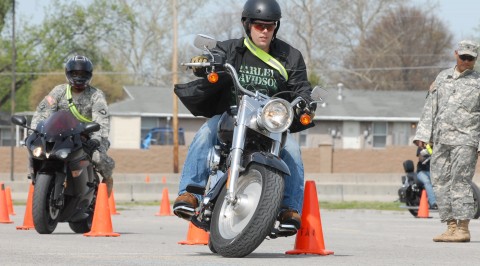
403, 51
326, 31
144, 45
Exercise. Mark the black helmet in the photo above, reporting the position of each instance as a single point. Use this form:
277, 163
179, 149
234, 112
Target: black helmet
267, 10
75, 64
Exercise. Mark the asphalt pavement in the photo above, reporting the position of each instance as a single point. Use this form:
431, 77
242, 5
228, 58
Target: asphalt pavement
357, 237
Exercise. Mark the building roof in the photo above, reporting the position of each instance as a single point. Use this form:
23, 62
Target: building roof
147, 101
368, 105
355, 105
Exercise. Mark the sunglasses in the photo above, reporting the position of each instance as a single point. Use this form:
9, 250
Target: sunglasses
465, 57
263, 26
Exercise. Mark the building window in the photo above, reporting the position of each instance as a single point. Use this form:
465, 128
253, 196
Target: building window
379, 134
302, 138
5, 136
401, 133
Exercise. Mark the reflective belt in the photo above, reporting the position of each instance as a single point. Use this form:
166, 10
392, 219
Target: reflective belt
73, 108
265, 57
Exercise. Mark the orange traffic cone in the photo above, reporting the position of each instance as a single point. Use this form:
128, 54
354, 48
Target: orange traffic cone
147, 179
28, 218
4, 218
8, 196
164, 205
195, 236
423, 211
102, 221
309, 239
111, 204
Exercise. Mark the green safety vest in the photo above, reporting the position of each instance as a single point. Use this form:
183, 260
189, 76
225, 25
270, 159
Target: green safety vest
73, 108
265, 57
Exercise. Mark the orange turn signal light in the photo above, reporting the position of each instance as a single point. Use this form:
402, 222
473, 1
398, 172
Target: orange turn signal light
305, 119
212, 77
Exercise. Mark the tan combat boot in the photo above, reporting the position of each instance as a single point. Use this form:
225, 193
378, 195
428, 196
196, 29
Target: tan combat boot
447, 235
109, 182
461, 234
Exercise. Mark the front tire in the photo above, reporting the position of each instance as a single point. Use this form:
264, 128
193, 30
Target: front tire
413, 200
45, 216
238, 229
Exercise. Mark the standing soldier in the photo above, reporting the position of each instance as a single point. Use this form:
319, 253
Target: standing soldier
87, 104
451, 121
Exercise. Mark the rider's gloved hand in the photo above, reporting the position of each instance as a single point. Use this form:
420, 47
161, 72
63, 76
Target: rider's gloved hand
93, 143
199, 71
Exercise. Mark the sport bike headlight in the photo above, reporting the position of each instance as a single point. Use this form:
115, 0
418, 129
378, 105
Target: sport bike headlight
37, 151
62, 153
276, 116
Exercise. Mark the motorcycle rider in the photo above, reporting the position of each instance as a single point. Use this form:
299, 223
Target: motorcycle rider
261, 22
423, 175
87, 104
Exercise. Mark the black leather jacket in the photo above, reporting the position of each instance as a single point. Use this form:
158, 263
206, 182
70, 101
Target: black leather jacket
219, 93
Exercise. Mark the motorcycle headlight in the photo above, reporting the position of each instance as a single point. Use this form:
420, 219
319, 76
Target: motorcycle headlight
37, 151
276, 116
62, 153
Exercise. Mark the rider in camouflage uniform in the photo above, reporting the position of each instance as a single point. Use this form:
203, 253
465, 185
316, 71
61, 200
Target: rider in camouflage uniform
91, 105
451, 121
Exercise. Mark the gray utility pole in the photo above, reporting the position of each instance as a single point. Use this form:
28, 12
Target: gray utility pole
12, 95
175, 81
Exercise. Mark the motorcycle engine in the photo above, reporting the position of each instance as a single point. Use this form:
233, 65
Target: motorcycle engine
213, 158
225, 129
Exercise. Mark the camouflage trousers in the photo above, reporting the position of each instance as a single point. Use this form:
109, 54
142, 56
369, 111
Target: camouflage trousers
104, 164
452, 169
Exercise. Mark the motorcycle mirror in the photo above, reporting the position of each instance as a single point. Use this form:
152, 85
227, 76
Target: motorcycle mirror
203, 41
19, 120
318, 94
91, 127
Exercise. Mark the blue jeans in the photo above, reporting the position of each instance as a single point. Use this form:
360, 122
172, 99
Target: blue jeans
424, 177
195, 171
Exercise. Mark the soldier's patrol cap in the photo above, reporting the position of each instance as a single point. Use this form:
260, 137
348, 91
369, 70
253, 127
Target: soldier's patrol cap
468, 47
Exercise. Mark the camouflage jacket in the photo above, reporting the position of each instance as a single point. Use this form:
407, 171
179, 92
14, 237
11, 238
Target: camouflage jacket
91, 103
451, 114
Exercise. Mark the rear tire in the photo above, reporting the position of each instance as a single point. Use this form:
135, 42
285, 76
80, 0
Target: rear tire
237, 231
45, 217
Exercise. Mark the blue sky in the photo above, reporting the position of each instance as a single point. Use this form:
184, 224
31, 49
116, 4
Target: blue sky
461, 16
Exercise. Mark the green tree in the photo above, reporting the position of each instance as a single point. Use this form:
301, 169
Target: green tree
127, 40
5, 7
22, 66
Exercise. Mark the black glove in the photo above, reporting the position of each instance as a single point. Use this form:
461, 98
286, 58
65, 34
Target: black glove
199, 71
91, 145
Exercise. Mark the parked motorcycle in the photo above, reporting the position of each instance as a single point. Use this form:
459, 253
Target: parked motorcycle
245, 188
411, 191
65, 183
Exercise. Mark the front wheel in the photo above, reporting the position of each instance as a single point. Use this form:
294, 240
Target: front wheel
45, 214
413, 201
238, 228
